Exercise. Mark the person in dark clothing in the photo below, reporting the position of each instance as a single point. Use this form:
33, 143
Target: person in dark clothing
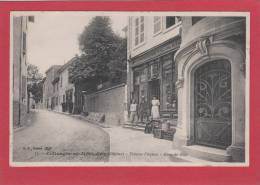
142, 110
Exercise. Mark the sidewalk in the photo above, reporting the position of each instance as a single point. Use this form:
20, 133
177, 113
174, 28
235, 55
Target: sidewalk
128, 145
82, 117
133, 145
28, 121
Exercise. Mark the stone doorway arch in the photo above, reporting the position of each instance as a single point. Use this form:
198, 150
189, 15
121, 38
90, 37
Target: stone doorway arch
207, 51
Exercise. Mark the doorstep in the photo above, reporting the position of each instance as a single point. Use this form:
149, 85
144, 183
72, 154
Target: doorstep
207, 153
138, 127
176, 155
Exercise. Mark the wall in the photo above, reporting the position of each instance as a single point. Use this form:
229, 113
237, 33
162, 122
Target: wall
19, 69
150, 39
211, 39
110, 101
48, 92
64, 85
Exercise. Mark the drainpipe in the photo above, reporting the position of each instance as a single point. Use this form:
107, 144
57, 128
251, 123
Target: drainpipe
19, 112
20, 72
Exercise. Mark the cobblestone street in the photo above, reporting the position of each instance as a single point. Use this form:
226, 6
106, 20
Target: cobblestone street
60, 138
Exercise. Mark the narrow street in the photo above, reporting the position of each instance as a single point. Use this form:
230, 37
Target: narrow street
60, 138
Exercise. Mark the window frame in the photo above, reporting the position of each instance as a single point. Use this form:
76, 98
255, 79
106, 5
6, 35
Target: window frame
138, 33
177, 22
160, 22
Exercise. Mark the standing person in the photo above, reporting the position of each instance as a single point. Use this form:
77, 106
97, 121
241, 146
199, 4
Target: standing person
155, 108
142, 109
133, 111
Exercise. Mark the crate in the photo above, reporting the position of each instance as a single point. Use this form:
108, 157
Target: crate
168, 135
157, 133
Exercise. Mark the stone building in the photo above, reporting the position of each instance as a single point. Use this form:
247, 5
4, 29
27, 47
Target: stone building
19, 94
50, 87
196, 68
66, 88
152, 43
211, 87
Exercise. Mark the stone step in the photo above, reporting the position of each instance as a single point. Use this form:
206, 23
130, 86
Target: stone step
134, 127
176, 156
207, 153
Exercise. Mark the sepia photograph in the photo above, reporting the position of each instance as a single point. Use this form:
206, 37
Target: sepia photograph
129, 88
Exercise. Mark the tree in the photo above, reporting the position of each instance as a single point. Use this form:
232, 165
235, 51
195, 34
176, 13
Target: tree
117, 65
102, 51
34, 82
100, 47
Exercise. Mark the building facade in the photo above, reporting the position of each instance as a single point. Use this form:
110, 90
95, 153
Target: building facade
66, 88
195, 66
152, 43
211, 87
50, 88
19, 94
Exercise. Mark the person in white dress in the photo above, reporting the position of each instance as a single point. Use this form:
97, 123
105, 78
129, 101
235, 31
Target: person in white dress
133, 111
155, 108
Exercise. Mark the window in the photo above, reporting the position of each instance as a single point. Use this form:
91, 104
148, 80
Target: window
139, 30
194, 20
24, 86
170, 21
157, 24
61, 80
169, 98
24, 43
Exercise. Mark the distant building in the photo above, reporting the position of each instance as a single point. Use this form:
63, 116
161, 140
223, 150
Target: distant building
66, 88
50, 88
20, 97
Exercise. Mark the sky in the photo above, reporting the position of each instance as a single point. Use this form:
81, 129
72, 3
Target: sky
53, 37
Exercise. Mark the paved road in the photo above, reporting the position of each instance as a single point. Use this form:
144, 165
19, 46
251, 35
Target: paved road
60, 138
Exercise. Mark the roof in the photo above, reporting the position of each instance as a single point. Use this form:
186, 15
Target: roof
53, 67
66, 65
55, 80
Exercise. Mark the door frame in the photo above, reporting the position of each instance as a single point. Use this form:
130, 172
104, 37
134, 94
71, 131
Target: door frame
195, 122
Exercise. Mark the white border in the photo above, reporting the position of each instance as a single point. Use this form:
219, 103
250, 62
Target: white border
130, 164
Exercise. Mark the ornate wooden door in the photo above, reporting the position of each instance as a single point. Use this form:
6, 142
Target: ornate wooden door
212, 98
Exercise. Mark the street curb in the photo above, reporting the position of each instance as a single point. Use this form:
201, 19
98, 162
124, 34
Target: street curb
80, 117
23, 126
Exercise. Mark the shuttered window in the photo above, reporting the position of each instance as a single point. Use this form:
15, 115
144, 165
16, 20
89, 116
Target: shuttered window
139, 30
157, 24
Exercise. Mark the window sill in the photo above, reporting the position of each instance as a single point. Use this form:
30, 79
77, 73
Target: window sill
139, 45
172, 27
155, 34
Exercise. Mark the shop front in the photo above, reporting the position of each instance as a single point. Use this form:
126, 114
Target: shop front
154, 76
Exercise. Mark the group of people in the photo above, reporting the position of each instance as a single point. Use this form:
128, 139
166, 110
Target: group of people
141, 112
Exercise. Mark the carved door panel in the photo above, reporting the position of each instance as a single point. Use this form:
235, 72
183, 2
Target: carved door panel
212, 98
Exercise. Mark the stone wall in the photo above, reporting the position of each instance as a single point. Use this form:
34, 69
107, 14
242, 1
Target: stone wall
110, 101
23, 113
